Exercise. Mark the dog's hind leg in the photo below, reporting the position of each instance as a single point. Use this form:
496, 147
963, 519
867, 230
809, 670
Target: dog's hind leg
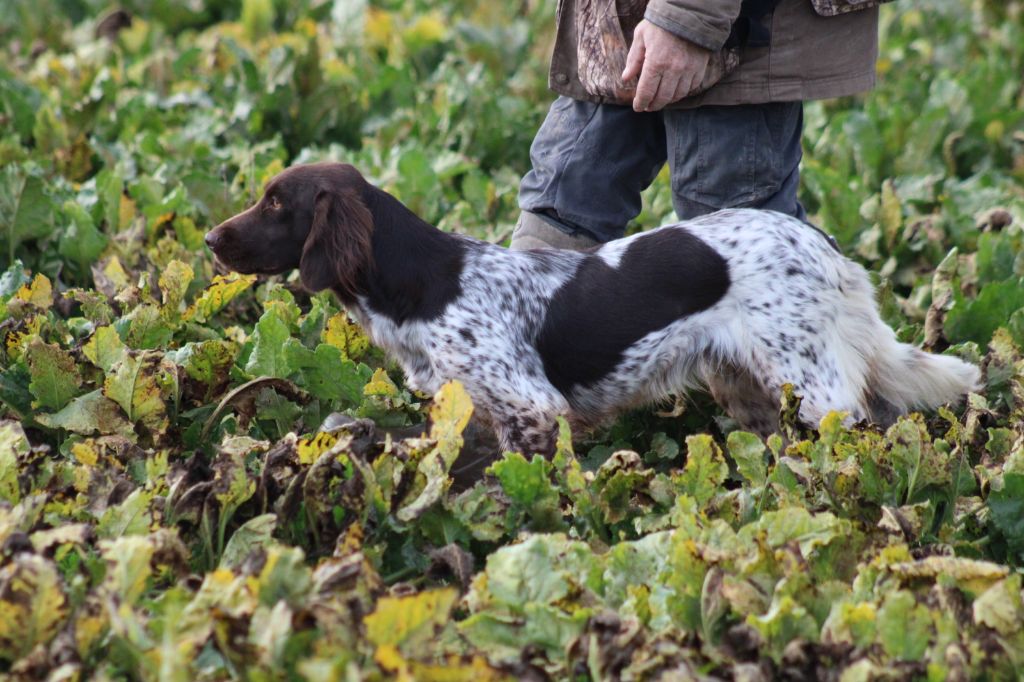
744, 398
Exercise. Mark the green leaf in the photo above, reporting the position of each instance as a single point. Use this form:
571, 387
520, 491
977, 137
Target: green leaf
904, 626
976, 320
147, 328
748, 451
528, 484
81, 242
26, 211
1001, 607
785, 621
55, 377
130, 517
105, 348
269, 357
705, 469
1007, 507
325, 372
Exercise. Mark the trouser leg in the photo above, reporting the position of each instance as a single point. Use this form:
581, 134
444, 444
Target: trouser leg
735, 156
590, 164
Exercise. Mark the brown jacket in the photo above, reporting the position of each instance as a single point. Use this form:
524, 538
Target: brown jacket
809, 56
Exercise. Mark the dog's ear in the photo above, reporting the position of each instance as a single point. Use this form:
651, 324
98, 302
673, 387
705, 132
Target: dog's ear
338, 248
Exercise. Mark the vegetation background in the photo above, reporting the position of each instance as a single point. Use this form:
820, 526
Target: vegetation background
173, 507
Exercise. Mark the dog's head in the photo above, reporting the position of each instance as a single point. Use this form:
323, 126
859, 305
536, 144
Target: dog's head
313, 217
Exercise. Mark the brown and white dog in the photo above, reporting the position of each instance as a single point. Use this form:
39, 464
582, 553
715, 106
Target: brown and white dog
740, 301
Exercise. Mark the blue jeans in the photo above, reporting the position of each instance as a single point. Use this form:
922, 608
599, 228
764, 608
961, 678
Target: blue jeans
592, 161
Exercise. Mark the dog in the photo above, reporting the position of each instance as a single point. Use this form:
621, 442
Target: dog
740, 301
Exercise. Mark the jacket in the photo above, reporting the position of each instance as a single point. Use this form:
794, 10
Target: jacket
814, 49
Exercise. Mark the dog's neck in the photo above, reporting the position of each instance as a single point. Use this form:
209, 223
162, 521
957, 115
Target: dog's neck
415, 268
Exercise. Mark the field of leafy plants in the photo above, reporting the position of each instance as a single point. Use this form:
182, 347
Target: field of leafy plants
208, 476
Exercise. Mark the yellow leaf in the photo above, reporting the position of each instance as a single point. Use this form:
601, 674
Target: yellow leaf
428, 28
128, 566
88, 629
971, 574
345, 336
85, 453
476, 670
409, 623
174, 281
17, 341
272, 169
221, 291
890, 213
38, 294
380, 384
379, 28
309, 449
104, 348
115, 272
125, 213
450, 412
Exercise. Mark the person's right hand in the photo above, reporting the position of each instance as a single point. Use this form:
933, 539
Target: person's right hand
669, 66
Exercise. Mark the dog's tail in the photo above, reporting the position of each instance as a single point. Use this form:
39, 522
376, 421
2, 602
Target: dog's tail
899, 377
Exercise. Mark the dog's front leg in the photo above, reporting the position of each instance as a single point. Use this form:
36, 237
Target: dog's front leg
527, 433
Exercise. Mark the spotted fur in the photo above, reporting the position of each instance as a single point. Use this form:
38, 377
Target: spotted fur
740, 301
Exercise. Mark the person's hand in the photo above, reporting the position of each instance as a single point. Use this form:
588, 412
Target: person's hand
669, 66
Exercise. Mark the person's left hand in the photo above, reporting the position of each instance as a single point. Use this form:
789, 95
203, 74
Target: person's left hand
669, 66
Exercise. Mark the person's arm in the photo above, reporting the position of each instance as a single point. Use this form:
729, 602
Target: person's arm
672, 45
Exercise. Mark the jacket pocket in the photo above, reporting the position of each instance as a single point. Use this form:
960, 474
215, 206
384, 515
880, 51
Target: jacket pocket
604, 31
831, 8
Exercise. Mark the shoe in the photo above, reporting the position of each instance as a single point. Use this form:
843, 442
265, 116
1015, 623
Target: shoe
533, 232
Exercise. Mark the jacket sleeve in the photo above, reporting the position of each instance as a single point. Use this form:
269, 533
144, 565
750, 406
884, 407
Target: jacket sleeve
703, 22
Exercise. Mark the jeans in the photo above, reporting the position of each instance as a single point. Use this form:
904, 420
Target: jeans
592, 161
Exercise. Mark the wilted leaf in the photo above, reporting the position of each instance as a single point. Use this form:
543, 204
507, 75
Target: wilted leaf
88, 414
134, 383
32, 605
174, 282
254, 533
13, 446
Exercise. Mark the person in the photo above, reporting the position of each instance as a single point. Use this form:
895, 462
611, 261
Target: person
733, 144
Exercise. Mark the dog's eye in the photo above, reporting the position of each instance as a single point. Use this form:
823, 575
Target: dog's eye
274, 203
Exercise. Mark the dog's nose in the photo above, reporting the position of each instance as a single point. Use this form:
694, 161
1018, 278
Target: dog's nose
212, 240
